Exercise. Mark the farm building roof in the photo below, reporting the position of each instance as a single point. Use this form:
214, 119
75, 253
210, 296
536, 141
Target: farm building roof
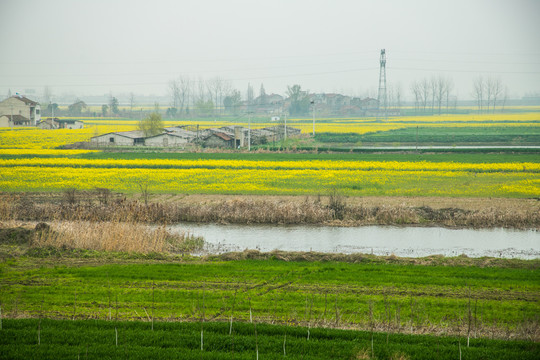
24, 99
170, 134
181, 132
223, 136
16, 117
135, 134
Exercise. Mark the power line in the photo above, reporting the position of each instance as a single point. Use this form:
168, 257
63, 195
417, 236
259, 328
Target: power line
178, 61
169, 73
197, 81
466, 71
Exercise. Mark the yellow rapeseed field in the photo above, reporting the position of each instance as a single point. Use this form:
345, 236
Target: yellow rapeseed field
274, 177
274, 181
33, 162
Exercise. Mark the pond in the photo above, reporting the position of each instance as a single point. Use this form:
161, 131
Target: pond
378, 240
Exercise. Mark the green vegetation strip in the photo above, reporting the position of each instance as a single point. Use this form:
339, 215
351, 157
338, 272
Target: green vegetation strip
492, 157
59, 339
486, 302
468, 158
509, 135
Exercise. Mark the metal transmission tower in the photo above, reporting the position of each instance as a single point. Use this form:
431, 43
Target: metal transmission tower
382, 98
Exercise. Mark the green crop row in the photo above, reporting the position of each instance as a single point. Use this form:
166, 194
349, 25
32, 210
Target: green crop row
58, 339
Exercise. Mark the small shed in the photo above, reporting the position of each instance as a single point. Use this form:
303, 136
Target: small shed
218, 139
70, 124
49, 124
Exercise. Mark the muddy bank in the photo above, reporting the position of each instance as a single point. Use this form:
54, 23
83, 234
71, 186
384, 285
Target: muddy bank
333, 210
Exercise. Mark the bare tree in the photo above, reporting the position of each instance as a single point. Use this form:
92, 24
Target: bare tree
249, 96
201, 92
424, 93
488, 90
174, 93
184, 86
449, 88
219, 88
433, 92
478, 92
131, 103
398, 96
505, 97
441, 91
495, 90
417, 92
215, 89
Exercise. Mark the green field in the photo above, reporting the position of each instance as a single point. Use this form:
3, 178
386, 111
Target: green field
486, 157
522, 135
55, 339
396, 296
392, 297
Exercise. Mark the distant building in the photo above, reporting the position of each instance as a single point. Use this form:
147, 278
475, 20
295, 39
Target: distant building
14, 120
49, 124
56, 123
178, 137
70, 124
19, 111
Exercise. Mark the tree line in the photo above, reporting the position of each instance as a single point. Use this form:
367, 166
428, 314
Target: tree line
214, 97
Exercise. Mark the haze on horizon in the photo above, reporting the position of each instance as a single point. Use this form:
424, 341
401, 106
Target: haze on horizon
121, 46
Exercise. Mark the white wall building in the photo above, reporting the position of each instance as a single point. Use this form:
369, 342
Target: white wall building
126, 138
24, 108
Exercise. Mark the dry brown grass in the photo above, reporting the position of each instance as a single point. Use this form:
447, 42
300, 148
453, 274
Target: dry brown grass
109, 236
508, 213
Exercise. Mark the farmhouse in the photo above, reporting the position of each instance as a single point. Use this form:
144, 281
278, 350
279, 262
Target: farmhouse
14, 120
218, 139
56, 123
170, 139
70, 124
23, 111
225, 137
49, 124
125, 138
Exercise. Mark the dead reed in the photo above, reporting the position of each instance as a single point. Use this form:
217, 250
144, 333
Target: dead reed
336, 211
110, 236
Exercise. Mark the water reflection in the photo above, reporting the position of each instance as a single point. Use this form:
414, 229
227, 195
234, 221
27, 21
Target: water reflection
378, 240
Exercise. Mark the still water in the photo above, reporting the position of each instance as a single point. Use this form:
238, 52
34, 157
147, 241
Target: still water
378, 240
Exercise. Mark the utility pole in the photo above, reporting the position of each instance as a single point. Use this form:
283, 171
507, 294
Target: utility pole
249, 132
313, 105
382, 98
285, 130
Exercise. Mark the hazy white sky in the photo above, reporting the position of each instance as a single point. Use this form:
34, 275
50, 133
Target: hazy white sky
118, 46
